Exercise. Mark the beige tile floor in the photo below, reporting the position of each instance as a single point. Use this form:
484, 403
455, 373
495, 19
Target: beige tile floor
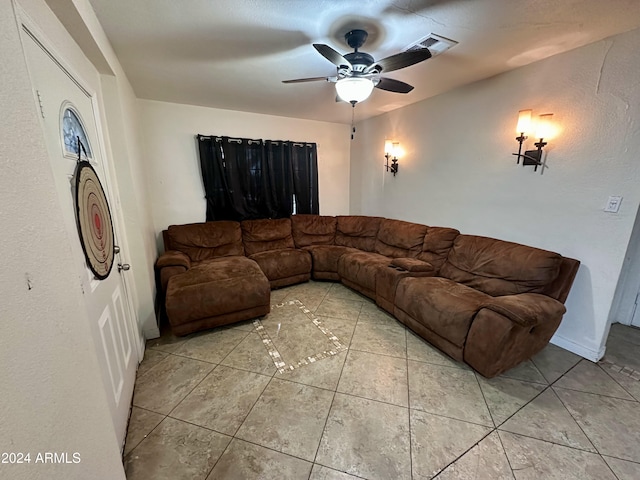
213, 406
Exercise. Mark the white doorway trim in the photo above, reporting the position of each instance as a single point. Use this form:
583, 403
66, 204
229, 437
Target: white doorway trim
625, 308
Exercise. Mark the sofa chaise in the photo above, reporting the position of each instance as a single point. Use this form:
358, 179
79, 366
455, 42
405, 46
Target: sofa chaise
486, 302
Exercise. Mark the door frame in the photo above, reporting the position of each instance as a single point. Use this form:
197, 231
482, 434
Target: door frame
625, 308
28, 26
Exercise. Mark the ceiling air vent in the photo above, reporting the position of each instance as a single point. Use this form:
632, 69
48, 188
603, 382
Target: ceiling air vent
435, 43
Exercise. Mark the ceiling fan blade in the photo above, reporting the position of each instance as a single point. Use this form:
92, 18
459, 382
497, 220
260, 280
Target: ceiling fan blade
400, 60
311, 79
330, 54
392, 85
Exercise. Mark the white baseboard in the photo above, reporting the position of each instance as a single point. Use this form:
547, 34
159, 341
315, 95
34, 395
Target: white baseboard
578, 349
151, 332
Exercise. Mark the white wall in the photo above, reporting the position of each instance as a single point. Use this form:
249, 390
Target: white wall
52, 394
173, 166
458, 169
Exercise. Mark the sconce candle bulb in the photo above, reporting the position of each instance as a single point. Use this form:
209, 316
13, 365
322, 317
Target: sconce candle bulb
545, 126
524, 125
524, 122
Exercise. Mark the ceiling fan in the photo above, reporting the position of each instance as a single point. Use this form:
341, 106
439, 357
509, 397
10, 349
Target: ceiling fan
358, 73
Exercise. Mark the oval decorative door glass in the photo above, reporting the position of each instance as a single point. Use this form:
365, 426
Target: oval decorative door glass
72, 129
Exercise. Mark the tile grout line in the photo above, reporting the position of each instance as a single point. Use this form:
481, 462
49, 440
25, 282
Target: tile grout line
580, 426
191, 391
492, 429
623, 459
465, 452
546, 387
241, 423
619, 384
268, 448
406, 362
571, 415
632, 400
513, 475
539, 439
164, 417
625, 370
495, 425
152, 368
215, 366
562, 445
234, 348
315, 457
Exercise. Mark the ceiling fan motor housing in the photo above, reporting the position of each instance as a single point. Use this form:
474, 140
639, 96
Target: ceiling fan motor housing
359, 60
356, 38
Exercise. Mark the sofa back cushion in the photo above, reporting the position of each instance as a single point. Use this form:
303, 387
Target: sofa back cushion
357, 231
398, 239
204, 241
436, 245
313, 230
270, 234
498, 268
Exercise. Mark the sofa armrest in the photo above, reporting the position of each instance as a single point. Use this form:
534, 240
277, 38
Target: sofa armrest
526, 309
173, 258
413, 265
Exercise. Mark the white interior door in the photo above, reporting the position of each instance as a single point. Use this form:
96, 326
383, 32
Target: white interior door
58, 94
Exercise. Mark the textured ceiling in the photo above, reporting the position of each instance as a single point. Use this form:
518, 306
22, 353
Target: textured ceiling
233, 54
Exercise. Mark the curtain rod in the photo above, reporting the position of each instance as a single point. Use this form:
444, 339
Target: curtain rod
250, 141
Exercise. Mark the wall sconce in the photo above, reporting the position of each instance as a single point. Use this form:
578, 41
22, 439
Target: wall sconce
544, 129
391, 151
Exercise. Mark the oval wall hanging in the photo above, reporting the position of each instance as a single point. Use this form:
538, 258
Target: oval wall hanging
93, 216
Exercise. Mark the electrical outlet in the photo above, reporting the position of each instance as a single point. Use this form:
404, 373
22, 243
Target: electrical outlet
613, 204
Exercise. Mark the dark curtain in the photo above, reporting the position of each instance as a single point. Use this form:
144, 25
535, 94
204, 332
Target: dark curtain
304, 162
217, 192
249, 179
279, 179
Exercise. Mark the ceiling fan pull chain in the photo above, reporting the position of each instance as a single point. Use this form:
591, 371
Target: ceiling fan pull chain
353, 113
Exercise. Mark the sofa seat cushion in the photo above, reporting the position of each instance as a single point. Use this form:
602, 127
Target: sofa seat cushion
216, 287
204, 241
325, 257
500, 268
441, 305
268, 234
361, 268
313, 230
278, 264
397, 238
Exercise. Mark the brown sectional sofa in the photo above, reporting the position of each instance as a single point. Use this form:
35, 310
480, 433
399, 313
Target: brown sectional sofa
486, 302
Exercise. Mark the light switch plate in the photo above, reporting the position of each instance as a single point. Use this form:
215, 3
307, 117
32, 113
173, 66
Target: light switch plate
613, 204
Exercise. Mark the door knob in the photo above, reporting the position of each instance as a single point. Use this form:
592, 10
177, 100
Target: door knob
123, 266
116, 249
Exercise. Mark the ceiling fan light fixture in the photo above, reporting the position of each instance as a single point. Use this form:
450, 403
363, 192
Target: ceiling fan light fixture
354, 89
